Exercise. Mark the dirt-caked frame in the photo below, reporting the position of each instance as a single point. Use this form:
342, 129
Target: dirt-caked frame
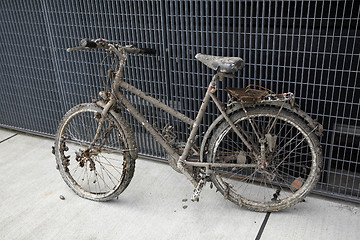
116, 94
261, 152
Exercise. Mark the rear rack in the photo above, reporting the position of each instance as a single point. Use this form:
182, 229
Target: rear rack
255, 96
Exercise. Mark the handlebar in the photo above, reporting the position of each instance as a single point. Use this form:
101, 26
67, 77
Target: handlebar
108, 46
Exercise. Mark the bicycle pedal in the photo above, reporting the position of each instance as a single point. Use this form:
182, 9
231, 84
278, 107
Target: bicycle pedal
197, 190
196, 196
196, 199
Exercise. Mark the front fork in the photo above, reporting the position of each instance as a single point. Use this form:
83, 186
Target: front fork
105, 110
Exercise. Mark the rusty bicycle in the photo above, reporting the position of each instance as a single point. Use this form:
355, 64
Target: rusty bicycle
262, 152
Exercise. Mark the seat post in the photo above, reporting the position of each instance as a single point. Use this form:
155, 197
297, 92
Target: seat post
199, 117
222, 75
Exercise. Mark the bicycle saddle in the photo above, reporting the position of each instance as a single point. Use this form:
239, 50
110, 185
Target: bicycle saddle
222, 64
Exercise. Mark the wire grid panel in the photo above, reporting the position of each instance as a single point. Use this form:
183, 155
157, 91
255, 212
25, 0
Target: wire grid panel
128, 22
28, 85
308, 47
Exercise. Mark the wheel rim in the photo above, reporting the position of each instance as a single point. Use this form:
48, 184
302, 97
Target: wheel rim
286, 174
97, 171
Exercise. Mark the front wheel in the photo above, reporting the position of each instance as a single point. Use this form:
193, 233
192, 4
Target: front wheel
97, 169
285, 151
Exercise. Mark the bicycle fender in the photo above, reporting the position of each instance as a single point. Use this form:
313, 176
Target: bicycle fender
312, 123
125, 127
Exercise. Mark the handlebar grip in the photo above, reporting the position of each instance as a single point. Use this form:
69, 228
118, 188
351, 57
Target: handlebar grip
150, 51
88, 43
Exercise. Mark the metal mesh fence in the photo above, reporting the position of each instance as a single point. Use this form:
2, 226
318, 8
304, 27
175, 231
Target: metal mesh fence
311, 48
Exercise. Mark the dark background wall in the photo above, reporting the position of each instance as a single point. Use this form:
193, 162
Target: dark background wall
311, 48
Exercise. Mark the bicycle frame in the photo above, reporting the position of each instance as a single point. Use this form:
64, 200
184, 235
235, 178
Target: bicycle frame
273, 147
119, 83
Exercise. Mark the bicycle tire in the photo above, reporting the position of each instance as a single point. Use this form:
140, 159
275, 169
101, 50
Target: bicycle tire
98, 173
292, 162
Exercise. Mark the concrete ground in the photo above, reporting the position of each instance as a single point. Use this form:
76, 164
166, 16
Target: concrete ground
156, 205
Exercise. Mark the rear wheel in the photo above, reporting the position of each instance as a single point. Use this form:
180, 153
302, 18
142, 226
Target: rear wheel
98, 170
286, 152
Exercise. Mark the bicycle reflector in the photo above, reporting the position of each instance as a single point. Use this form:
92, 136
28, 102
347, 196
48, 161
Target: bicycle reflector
296, 184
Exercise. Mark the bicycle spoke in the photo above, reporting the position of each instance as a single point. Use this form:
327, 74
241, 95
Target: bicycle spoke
109, 164
103, 178
290, 153
233, 142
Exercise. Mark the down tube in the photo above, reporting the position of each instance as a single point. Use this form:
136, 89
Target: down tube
139, 117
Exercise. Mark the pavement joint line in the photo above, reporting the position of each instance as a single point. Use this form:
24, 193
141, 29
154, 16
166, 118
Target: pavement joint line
8, 138
261, 230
